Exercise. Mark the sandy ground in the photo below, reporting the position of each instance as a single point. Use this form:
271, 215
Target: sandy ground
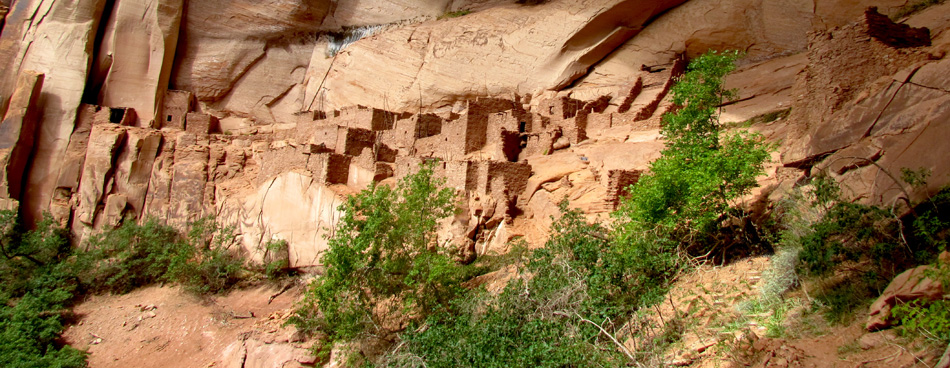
167, 327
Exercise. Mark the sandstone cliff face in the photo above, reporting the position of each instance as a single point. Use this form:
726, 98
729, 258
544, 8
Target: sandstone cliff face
54, 38
233, 108
135, 55
507, 49
872, 102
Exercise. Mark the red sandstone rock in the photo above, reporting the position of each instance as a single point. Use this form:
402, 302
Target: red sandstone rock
910, 285
17, 134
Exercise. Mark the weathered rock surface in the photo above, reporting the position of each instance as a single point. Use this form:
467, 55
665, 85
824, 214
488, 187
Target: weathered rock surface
136, 55
17, 133
292, 138
105, 141
876, 113
772, 28
54, 38
500, 47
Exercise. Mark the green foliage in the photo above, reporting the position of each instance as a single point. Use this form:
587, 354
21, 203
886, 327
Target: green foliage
543, 320
383, 260
689, 188
930, 319
276, 265
933, 221
41, 275
852, 232
37, 283
455, 14
762, 119
136, 255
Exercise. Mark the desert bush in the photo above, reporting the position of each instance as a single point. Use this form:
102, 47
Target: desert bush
545, 318
383, 261
276, 265
38, 283
140, 254
41, 275
455, 14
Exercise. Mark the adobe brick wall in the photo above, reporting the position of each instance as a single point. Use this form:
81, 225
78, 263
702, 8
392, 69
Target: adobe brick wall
406, 131
175, 106
514, 177
329, 168
200, 123
509, 143
363, 118
274, 162
459, 175
598, 122
385, 154
541, 143
574, 128
406, 165
474, 132
617, 182
366, 159
352, 141
559, 107
383, 171
319, 134
476, 120
124, 116
630, 93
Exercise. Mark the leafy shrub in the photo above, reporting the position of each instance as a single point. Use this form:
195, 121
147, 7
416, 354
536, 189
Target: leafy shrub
931, 319
38, 282
276, 265
41, 275
455, 14
136, 255
383, 261
543, 319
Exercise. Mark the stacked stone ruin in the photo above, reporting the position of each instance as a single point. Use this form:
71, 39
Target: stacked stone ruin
176, 167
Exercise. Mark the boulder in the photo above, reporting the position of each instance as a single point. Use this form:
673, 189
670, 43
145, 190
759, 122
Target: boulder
910, 285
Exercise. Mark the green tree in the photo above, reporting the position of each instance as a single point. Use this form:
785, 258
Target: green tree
383, 260
702, 169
